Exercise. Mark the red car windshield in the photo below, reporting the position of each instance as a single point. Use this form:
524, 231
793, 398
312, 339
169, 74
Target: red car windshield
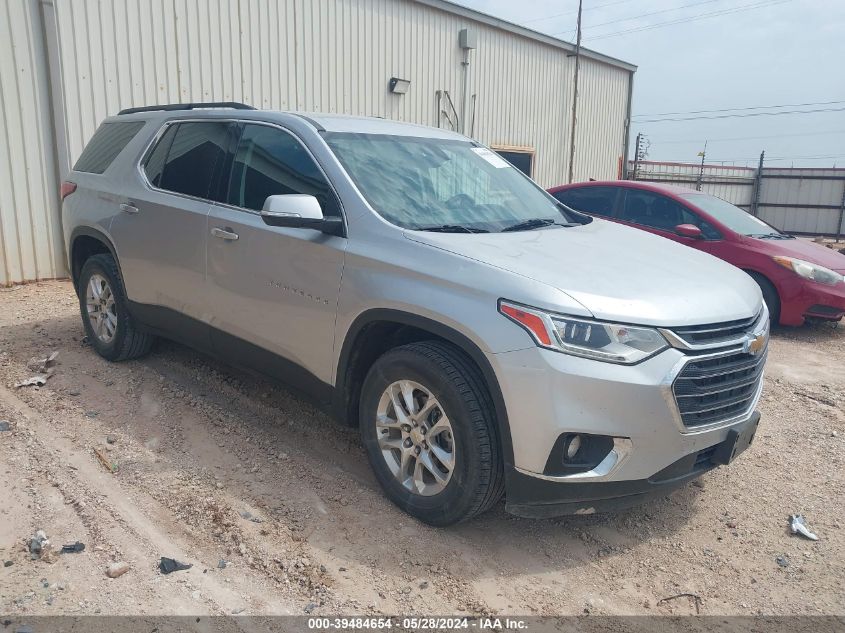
732, 217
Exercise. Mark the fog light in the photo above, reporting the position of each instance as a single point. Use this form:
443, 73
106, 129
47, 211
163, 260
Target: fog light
573, 446
577, 453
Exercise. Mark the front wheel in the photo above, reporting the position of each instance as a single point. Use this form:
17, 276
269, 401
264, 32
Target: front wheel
428, 426
770, 296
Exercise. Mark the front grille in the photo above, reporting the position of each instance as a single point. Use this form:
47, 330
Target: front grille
698, 334
704, 459
714, 389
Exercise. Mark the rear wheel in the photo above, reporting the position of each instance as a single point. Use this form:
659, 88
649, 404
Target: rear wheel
110, 328
770, 296
428, 426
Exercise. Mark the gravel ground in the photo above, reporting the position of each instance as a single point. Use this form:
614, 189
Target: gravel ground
275, 507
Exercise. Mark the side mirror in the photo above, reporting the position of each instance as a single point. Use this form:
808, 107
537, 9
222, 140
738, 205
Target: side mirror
298, 211
689, 230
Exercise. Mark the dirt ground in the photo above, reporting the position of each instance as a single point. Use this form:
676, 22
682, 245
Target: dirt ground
214, 465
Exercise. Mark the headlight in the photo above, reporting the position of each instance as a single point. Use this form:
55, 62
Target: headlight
810, 271
609, 342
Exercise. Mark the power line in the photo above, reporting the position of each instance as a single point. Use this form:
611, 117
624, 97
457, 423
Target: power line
692, 18
557, 15
645, 15
826, 157
741, 116
763, 107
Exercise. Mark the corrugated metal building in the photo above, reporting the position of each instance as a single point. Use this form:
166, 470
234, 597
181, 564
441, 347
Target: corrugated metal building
67, 64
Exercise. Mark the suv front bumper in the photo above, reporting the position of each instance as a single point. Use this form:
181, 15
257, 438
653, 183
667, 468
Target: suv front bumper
533, 497
548, 394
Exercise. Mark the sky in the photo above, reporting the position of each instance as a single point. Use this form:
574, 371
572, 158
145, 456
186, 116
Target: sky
752, 53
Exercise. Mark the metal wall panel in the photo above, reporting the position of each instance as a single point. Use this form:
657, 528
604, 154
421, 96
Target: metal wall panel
337, 56
30, 240
309, 55
601, 124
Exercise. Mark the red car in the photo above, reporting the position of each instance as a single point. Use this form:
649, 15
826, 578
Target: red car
799, 279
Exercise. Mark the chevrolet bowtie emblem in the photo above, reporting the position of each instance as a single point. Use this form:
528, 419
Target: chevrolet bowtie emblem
755, 343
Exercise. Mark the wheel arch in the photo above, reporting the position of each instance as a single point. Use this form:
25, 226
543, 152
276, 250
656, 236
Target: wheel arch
84, 242
377, 330
754, 274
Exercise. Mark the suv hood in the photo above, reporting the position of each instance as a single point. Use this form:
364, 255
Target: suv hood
806, 250
617, 273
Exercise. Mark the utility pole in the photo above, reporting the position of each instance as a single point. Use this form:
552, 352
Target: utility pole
758, 178
701, 169
637, 154
640, 153
575, 95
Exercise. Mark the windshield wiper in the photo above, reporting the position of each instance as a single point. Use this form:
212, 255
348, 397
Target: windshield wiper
450, 228
533, 223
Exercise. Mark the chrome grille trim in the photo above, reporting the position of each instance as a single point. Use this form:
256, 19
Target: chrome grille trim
707, 336
706, 399
739, 385
718, 382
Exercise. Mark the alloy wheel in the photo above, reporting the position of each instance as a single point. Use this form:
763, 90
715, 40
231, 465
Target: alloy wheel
102, 311
415, 437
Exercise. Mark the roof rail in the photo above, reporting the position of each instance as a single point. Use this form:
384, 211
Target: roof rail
188, 106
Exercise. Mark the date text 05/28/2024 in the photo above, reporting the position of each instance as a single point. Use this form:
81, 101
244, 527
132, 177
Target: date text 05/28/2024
417, 623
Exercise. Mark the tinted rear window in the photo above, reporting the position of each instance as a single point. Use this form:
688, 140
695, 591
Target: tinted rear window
195, 158
108, 141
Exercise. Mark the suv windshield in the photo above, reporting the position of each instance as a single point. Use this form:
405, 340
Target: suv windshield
732, 217
444, 185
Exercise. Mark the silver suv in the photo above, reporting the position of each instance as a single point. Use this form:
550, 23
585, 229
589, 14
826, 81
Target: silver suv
485, 338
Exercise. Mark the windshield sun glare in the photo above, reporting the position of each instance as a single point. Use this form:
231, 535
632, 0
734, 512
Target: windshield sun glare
450, 185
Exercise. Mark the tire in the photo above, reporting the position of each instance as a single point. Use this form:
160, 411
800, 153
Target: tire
119, 339
476, 480
770, 296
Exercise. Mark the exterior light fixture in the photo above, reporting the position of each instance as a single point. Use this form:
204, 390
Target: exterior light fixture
399, 86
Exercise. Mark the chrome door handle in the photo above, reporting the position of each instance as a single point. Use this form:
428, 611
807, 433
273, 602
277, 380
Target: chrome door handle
223, 234
129, 208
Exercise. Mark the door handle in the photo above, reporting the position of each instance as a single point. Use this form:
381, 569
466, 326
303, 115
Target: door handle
224, 234
129, 208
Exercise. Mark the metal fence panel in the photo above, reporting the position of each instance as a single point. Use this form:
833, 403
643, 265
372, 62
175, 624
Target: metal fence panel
807, 201
803, 200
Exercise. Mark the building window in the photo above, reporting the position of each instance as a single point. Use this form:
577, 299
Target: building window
520, 157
